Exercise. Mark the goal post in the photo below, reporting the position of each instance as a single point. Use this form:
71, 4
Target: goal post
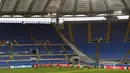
107, 63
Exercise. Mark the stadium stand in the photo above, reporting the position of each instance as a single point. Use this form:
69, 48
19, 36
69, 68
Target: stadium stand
45, 32
64, 34
4, 50
4, 58
52, 56
52, 61
17, 45
22, 49
17, 63
117, 47
25, 57
2, 64
114, 49
50, 46
11, 32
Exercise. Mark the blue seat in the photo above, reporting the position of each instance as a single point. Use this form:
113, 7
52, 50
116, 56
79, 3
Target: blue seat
22, 49
51, 61
23, 57
52, 56
18, 63
4, 50
5, 58
3, 64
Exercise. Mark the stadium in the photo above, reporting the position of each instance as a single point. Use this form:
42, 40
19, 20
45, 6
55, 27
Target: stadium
64, 36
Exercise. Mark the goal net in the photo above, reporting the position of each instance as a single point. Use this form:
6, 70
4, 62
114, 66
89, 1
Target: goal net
107, 64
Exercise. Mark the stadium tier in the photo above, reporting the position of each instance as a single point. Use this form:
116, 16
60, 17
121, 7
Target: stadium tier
45, 32
43, 56
117, 47
3, 64
52, 61
42, 42
114, 47
31, 44
60, 49
22, 49
4, 50
22, 33
23, 57
52, 56
11, 32
5, 58
17, 63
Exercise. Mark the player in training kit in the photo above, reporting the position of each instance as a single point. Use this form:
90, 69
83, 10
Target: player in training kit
36, 67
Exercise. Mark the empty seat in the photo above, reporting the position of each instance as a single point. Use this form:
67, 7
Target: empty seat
51, 61
4, 58
4, 50
52, 56
23, 57
18, 63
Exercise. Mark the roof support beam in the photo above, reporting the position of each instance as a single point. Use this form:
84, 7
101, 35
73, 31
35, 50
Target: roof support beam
61, 5
109, 17
75, 7
30, 7
125, 4
15, 7
127, 8
45, 7
90, 7
2, 5
126, 56
107, 6
58, 12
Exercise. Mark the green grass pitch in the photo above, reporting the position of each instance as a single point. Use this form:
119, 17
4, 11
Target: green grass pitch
63, 70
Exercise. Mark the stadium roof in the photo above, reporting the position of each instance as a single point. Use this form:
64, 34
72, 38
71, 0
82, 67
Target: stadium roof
46, 8
66, 10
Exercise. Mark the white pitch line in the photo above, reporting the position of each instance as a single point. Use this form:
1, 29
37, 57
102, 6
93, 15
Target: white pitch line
77, 71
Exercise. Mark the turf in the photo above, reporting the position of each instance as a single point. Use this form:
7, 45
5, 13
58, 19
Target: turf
63, 70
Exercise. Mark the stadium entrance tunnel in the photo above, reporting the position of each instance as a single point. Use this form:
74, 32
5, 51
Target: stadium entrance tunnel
128, 40
75, 60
